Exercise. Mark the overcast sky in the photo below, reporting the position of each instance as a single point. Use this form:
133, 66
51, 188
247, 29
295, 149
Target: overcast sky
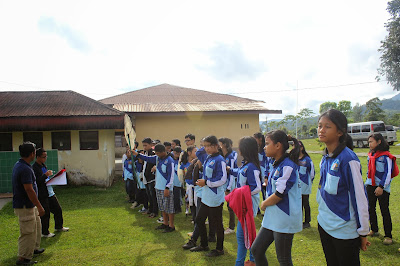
261, 50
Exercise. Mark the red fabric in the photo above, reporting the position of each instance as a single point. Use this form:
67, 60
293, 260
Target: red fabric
372, 168
240, 202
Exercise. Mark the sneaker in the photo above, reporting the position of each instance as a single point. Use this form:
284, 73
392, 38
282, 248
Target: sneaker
160, 220
134, 205
49, 235
162, 227
215, 253
190, 234
387, 241
199, 248
229, 231
143, 210
152, 215
64, 229
306, 225
25, 262
38, 251
372, 233
169, 229
190, 244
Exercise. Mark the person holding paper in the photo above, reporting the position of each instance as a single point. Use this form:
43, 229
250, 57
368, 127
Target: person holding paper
47, 197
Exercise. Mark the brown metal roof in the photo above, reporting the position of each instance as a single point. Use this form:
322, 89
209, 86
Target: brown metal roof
170, 98
51, 104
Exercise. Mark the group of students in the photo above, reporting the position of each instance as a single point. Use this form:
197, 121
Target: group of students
211, 176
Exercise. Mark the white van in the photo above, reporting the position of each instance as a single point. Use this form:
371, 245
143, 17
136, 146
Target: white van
361, 131
391, 134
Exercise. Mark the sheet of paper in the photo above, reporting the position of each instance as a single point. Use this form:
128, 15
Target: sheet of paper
59, 179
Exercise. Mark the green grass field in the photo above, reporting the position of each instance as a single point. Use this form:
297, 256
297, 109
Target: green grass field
105, 231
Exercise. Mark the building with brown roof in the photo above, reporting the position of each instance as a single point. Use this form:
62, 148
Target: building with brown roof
80, 129
166, 112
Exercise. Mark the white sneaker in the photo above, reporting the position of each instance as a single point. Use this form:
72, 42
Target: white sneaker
142, 210
49, 235
160, 220
64, 229
134, 205
229, 231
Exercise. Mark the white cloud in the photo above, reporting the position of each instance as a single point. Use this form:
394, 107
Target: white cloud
103, 48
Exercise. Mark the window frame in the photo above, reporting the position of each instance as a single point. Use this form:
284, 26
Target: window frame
94, 148
58, 147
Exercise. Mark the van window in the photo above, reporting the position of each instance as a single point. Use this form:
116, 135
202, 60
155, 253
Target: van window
365, 128
379, 127
355, 129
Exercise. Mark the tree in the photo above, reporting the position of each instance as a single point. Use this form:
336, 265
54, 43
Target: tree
390, 47
344, 107
326, 106
394, 120
374, 111
313, 131
357, 113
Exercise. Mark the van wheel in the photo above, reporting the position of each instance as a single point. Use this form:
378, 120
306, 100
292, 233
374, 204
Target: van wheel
360, 144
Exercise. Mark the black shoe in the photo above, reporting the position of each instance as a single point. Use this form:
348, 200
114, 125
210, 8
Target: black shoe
212, 239
306, 225
38, 251
169, 229
215, 253
25, 262
199, 248
190, 244
162, 227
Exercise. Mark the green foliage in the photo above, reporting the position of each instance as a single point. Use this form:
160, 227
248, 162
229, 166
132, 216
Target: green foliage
390, 47
313, 131
344, 107
357, 113
393, 119
326, 106
374, 111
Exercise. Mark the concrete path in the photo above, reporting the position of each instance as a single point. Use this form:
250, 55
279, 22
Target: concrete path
4, 202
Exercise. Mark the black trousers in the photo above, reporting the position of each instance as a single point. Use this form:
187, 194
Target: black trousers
177, 199
141, 198
340, 251
384, 206
51, 205
151, 195
306, 207
231, 218
216, 222
196, 231
130, 188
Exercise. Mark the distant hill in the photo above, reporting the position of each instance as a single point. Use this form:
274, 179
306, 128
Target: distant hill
390, 106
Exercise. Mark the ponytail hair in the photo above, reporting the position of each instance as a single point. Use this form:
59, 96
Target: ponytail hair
280, 136
304, 148
340, 120
228, 144
249, 150
185, 157
260, 136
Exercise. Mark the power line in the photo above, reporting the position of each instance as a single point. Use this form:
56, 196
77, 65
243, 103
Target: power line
233, 93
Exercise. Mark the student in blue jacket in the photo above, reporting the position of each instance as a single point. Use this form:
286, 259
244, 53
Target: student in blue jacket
379, 176
307, 174
248, 174
231, 161
283, 215
343, 206
262, 158
213, 196
164, 185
